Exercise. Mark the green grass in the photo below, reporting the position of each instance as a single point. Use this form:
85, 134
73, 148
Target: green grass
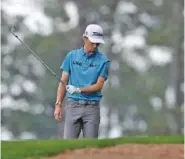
40, 148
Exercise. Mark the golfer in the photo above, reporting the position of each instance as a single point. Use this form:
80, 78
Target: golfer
84, 72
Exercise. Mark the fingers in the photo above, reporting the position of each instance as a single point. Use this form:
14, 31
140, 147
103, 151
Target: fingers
70, 89
67, 87
58, 116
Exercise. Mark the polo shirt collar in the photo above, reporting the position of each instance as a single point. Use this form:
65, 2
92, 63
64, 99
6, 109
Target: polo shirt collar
86, 54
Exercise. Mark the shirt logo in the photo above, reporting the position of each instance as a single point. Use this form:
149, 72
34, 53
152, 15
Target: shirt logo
80, 64
77, 63
92, 65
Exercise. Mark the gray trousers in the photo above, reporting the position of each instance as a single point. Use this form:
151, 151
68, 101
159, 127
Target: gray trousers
81, 117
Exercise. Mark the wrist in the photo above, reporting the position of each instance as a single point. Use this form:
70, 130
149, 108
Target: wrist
58, 106
58, 103
79, 90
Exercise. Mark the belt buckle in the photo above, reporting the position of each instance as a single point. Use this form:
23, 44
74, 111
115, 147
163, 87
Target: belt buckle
87, 102
82, 102
92, 102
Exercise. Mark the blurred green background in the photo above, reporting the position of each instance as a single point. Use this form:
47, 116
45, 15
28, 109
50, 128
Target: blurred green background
144, 95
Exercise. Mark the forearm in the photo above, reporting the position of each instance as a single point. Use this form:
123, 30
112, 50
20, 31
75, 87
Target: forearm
60, 92
61, 87
92, 88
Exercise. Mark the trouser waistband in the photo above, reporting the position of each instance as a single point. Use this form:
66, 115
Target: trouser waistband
84, 102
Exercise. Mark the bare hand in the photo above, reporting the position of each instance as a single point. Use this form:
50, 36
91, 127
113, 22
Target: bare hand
58, 112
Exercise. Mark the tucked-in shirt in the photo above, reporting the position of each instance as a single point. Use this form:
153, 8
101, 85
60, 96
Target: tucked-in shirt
84, 70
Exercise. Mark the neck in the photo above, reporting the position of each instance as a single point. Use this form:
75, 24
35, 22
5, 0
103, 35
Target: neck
86, 50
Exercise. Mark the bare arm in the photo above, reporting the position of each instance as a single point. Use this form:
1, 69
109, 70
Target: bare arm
61, 88
94, 87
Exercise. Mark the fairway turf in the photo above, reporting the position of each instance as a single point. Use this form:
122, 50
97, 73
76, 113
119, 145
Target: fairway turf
32, 149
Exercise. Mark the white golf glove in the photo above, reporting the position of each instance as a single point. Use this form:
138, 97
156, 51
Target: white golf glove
72, 89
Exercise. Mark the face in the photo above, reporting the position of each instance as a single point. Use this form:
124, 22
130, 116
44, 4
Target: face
89, 46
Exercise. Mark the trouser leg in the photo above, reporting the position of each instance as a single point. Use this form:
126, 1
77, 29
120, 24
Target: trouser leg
73, 122
91, 121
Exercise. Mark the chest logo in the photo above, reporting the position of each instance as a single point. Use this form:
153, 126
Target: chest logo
80, 64
92, 65
77, 63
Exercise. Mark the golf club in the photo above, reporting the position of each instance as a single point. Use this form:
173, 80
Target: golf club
12, 30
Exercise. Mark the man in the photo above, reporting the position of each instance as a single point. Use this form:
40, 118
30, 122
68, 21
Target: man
84, 72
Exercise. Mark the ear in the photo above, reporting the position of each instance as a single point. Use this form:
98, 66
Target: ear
85, 39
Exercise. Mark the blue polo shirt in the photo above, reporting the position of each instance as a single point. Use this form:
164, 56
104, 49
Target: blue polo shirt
84, 70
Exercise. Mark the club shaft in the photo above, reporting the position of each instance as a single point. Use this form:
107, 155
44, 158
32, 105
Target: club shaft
37, 57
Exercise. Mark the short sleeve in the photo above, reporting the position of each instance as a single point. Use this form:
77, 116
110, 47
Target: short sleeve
66, 63
105, 70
